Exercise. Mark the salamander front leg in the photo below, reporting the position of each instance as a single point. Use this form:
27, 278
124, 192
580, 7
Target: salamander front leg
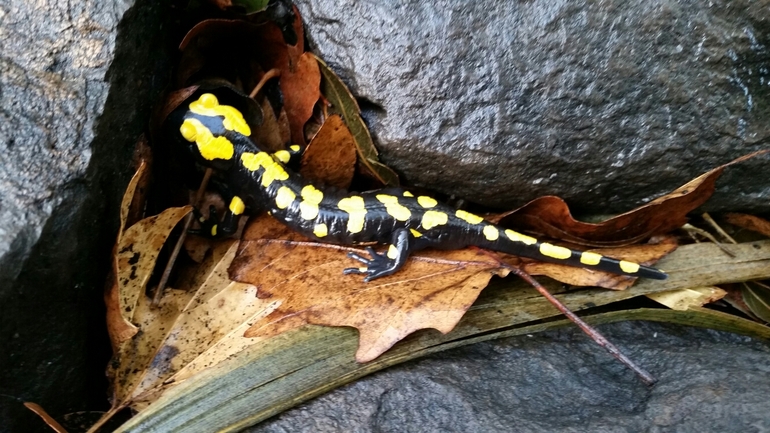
381, 265
291, 156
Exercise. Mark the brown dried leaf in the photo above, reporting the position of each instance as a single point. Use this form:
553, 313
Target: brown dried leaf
345, 104
196, 325
137, 251
301, 86
119, 326
331, 157
238, 51
749, 222
269, 134
433, 290
549, 216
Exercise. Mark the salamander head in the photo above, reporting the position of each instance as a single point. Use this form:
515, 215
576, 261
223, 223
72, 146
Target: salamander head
215, 132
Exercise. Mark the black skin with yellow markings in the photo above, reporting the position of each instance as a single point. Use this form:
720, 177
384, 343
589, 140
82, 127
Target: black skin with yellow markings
219, 138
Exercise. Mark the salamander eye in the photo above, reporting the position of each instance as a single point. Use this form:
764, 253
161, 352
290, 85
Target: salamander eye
209, 100
188, 130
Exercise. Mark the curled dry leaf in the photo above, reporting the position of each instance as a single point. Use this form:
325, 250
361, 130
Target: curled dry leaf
345, 104
550, 216
684, 299
223, 48
756, 295
198, 323
749, 222
331, 157
433, 290
136, 254
119, 326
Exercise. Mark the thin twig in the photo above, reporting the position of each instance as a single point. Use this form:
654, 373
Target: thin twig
692, 229
592, 332
646, 377
716, 227
48, 419
187, 223
275, 72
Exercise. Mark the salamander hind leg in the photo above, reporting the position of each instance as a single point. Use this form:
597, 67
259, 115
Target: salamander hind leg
211, 227
381, 265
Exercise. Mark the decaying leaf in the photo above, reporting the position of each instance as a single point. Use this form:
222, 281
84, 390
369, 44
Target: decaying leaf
331, 157
749, 222
757, 297
119, 326
345, 104
433, 290
684, 299
550, 216
241, 51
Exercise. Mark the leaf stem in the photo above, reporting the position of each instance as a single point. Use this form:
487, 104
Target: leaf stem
187, 223
275, 72
592, 332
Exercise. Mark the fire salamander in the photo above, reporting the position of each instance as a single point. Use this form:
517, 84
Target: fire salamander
218, 136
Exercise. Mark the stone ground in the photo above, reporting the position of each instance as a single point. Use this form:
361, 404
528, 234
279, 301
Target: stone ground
605, 104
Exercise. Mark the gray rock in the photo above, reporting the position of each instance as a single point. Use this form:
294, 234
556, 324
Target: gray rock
605, 104
52, 77
558, 381
77, 80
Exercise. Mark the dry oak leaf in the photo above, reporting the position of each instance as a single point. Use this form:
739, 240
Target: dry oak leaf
433, 290
330, 158
550, 216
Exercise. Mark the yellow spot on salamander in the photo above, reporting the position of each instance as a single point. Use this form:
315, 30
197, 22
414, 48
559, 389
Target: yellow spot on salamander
236, 205
468, 217
320, 230
415, 233
210, 147
433, 218
392, 252
208, 105
554, 251
356, 210
283, 155
491, 233
629, 267
426, 202
589, 258
408, 194
393, 207
311, 198
284, 197
518, 237
273, 170
294, 148
214, 230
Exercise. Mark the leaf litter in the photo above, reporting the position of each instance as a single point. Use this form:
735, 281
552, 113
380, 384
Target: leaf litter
242, 293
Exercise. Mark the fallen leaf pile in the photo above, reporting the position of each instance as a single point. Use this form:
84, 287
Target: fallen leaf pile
228, 300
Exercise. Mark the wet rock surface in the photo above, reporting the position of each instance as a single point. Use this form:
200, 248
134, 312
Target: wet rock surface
558, 381
77, 81
607, 105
